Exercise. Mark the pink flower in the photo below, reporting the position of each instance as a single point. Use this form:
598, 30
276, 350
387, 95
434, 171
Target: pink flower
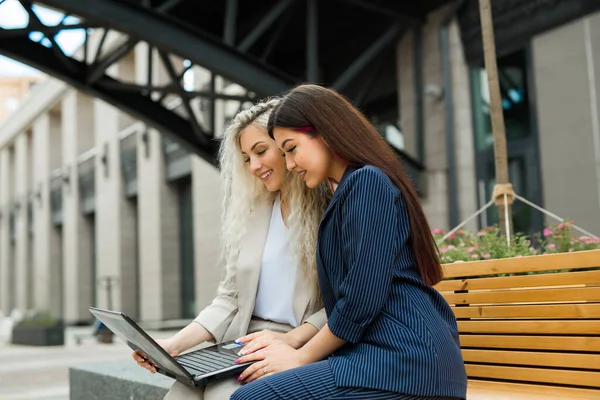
595, 240
560, 226
471, 249
438, 231
547, 232
474, 256
481, 234
486, 256
451, 247
551, 246
453, 236
444, 250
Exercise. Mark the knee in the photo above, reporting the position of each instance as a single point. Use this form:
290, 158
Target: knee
243, 393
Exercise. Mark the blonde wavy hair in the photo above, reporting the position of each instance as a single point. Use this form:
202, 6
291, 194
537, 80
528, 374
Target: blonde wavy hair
242, 192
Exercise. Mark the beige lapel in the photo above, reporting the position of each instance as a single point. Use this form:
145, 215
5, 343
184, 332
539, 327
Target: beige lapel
250, 260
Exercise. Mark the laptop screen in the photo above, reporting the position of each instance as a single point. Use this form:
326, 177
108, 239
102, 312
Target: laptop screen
137, 339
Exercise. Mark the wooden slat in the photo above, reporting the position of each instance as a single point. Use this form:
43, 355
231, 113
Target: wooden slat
542, 375
545, 311
567, 327
523, 281
557, 343
490, 390
533, 358
588, 294
548, 262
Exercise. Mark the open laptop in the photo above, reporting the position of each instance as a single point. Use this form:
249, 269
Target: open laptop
196, 368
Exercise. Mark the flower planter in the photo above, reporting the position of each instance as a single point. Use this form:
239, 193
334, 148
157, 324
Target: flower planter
35, 335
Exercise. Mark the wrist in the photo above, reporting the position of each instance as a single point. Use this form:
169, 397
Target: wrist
292, 339
303, 356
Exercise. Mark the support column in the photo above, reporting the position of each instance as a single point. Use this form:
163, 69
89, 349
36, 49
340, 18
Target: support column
115, 255
207, 195
78, 125
47, 246
5, 250
21, 259
158, 221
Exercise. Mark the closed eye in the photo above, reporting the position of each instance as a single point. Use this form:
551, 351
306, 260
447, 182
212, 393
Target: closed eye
291, 149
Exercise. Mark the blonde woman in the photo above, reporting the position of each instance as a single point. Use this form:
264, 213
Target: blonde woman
270, 221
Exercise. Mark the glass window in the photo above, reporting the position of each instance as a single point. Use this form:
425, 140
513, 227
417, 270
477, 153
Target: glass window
512, 76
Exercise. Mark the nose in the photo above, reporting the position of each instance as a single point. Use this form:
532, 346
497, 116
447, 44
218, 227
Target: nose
290, 163
255, 165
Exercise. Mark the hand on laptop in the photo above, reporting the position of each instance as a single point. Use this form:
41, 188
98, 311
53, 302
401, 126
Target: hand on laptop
144, 361
259, 340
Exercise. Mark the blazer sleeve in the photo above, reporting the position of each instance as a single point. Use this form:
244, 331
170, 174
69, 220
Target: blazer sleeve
217, 317
372, 233
318, 319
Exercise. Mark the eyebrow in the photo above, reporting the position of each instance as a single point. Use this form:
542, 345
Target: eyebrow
255, 144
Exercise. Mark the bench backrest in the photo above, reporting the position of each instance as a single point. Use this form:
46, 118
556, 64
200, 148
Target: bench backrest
531, 319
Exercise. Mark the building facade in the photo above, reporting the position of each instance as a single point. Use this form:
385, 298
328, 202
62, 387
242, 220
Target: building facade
91, 198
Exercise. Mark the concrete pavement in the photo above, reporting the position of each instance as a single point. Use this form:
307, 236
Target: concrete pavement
42, 373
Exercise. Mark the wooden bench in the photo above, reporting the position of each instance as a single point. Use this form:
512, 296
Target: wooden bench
529, 327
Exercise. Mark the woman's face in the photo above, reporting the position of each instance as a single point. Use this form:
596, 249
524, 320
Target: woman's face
262, 157
306, 155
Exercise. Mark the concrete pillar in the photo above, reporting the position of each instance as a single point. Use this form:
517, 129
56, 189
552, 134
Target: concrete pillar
5, 248
21, 259
463, 129
207, 197
115, 252
436, 200
77, 128
158, 222
47, 246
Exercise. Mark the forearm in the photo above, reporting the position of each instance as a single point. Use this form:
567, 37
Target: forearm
322, 345
190, 336
300, 335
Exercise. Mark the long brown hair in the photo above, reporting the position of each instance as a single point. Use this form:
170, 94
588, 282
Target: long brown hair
349, 134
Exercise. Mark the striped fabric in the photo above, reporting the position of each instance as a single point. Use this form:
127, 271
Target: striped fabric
402, 335
314, 381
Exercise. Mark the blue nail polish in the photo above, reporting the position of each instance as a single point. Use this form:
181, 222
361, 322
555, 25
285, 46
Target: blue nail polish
237, 342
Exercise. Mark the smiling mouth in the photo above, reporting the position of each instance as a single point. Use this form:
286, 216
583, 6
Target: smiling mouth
266, 175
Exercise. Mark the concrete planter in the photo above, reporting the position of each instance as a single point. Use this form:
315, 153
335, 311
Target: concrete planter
35, 335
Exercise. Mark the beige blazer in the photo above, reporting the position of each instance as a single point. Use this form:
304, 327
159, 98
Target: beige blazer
229, 315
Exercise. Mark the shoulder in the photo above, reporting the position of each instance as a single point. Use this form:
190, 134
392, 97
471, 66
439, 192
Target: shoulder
370, 179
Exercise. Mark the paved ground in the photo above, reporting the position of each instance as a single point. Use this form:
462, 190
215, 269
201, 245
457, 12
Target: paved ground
42, 373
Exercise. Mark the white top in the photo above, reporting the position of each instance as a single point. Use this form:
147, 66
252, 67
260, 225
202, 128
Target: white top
277, 281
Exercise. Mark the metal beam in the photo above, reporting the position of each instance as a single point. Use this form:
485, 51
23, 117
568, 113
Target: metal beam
193, 44
200, 134
264, 24
367, 56
407, 19
99, 67
312, 41
139, 106
230, 22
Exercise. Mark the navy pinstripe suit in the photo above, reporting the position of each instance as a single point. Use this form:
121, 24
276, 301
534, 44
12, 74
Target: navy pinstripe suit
402, 335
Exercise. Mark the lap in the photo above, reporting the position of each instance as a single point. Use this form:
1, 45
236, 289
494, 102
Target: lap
220, 390
313, 381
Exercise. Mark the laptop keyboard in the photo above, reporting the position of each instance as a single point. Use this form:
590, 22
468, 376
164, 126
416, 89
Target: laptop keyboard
202, 362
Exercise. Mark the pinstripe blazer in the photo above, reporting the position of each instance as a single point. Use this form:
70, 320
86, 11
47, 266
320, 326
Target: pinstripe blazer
402, 335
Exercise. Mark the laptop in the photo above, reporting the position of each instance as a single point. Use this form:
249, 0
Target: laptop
196, 368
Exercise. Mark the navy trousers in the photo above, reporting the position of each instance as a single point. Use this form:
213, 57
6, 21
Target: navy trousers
313, 381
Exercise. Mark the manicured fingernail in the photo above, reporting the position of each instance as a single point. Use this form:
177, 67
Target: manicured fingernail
238, 342
237, 361
239, 378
